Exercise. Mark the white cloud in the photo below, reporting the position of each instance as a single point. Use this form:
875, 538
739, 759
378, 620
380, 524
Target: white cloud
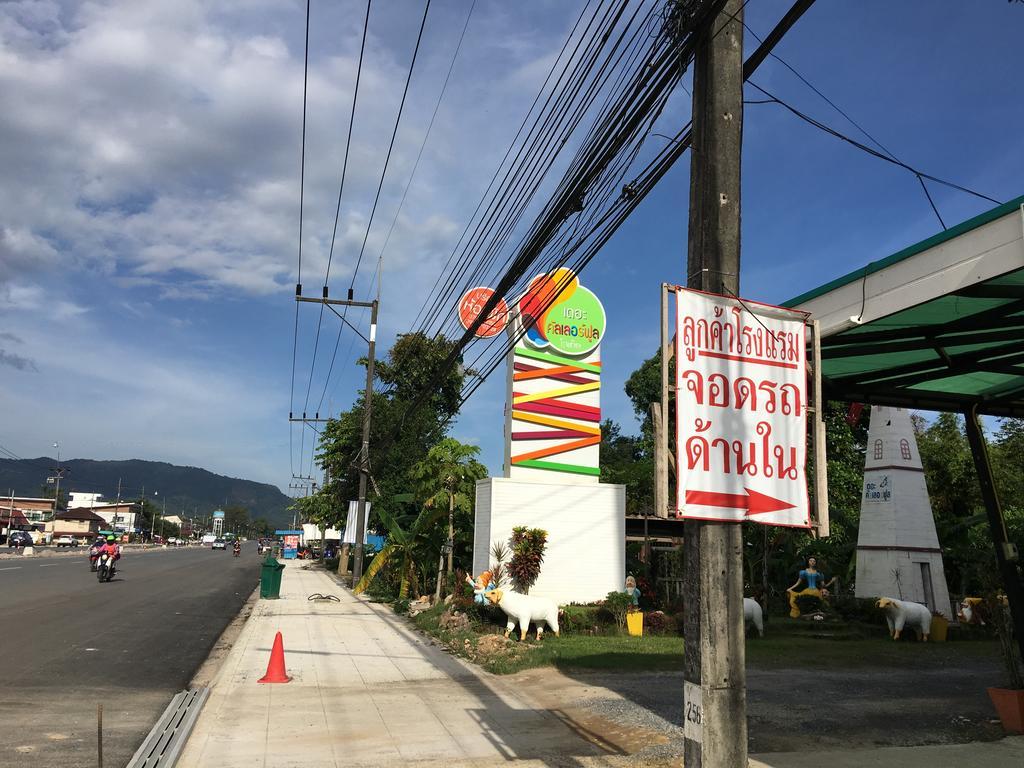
151, 154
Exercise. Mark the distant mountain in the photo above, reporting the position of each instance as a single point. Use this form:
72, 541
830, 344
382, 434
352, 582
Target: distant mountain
189, 489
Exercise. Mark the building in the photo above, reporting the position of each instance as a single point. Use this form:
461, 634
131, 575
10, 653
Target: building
898, 552
118, 516
80, 523
25, 510
79, 500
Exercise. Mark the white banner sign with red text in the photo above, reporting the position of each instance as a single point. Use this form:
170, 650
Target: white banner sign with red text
741, 410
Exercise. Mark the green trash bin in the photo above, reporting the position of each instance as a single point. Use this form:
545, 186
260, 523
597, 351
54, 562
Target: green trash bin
270, 578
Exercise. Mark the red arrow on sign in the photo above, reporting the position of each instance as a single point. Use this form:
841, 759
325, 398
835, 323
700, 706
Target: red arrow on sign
753, 502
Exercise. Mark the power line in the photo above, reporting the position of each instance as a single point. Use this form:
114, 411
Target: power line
616, 131
854, 123
430, 125
401, 203
337, 214
771, 98
380, 186
298, 281
597, 235
348, 143
387, 159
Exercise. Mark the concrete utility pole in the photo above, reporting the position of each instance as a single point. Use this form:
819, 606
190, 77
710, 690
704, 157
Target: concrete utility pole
715, 673
364, 453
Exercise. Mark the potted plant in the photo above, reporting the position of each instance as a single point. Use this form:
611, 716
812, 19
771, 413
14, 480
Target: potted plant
1009, 702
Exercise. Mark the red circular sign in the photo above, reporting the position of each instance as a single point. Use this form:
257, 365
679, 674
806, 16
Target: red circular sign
472, 304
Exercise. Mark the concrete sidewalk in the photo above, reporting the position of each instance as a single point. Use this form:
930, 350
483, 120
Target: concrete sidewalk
366, 691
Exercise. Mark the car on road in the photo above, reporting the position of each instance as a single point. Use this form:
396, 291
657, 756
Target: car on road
19, 539
66, 540
219, 544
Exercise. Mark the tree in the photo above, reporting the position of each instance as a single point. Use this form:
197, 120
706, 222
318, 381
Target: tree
401, 435
318, 509
236, 518
625, 460
446, 480
402, 546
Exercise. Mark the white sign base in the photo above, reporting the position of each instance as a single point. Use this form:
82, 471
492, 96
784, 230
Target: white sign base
585, 558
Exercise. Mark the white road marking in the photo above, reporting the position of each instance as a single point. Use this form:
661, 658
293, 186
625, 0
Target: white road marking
48, 565
13, 568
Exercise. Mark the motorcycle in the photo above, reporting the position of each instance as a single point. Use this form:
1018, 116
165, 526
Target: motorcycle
105, 569
94, 556
237, 550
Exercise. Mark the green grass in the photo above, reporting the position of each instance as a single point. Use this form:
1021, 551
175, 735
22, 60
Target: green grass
787, 644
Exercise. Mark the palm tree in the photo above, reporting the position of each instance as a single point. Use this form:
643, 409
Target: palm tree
401, 546
447, 477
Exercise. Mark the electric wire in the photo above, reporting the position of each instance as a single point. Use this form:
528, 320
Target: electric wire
398, 119
337, 210
405, 193
864, 148
602, 152
387, 159
298, 281
851, 121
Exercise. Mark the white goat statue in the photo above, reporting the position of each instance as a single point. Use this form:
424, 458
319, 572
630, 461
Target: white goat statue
752, 613
903, 613
523, 609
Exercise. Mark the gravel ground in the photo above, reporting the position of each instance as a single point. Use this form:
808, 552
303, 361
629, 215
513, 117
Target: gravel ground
798, 709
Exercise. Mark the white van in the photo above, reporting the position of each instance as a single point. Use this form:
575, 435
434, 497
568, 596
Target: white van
208, 539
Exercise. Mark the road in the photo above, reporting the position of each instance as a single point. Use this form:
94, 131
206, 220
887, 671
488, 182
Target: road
68, 643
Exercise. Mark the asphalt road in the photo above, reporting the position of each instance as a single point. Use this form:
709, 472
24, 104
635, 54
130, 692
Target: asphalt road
68, 643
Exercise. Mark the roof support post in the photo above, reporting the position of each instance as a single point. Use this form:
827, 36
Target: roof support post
1009, 568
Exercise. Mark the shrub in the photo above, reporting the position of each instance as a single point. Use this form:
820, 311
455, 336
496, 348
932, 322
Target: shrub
857, 609
499, 556
583, 618
527, 545
658, 623
401, 606
619, 604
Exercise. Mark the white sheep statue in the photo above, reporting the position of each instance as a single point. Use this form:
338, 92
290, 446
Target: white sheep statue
523, 609
902, 613
752, 613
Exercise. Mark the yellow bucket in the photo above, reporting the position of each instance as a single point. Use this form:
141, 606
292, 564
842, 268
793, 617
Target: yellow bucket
940, 625
635, 623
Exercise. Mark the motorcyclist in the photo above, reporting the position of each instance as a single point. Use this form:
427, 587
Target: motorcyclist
94, 551
113, 550
238, 547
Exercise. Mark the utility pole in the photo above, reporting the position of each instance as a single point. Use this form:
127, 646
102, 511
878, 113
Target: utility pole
58, 473
364, 450
715, 666
364, 453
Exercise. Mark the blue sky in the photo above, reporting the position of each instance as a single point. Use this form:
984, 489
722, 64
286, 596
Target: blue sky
149, 198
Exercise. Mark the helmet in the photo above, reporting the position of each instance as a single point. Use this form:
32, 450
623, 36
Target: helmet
111, 537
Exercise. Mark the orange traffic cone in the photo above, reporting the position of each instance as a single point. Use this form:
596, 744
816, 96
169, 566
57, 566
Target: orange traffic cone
276, 672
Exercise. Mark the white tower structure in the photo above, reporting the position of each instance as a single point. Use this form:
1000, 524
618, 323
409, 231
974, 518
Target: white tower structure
898, 551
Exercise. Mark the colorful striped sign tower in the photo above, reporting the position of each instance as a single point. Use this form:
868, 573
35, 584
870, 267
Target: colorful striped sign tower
552, 445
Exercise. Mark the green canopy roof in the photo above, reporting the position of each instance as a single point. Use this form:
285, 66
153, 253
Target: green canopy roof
961, 347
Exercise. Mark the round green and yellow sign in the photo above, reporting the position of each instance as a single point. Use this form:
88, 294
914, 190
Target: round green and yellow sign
573, 323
